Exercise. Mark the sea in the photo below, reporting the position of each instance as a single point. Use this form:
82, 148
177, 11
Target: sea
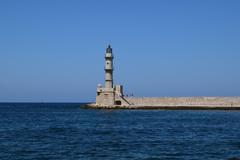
68, 131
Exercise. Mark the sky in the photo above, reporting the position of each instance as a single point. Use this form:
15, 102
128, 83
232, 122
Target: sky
53, 50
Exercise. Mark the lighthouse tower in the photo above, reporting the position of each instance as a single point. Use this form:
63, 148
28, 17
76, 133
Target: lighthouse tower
109, 69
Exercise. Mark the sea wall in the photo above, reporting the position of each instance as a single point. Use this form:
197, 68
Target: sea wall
185, 101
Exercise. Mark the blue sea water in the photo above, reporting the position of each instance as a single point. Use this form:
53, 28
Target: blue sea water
58, 131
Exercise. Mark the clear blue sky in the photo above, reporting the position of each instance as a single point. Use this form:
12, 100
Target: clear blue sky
52, 50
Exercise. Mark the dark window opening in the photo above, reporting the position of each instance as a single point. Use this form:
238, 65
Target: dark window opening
118, 103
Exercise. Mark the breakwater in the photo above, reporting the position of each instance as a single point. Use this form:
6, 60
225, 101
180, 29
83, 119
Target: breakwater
176, 103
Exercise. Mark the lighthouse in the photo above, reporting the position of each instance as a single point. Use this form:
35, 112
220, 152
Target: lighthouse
106, 94
110, 95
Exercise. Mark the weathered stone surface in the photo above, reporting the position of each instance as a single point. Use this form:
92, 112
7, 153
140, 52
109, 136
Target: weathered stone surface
186, 101
226, 103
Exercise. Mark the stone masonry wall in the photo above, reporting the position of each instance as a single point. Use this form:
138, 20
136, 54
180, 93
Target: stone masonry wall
185, 101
